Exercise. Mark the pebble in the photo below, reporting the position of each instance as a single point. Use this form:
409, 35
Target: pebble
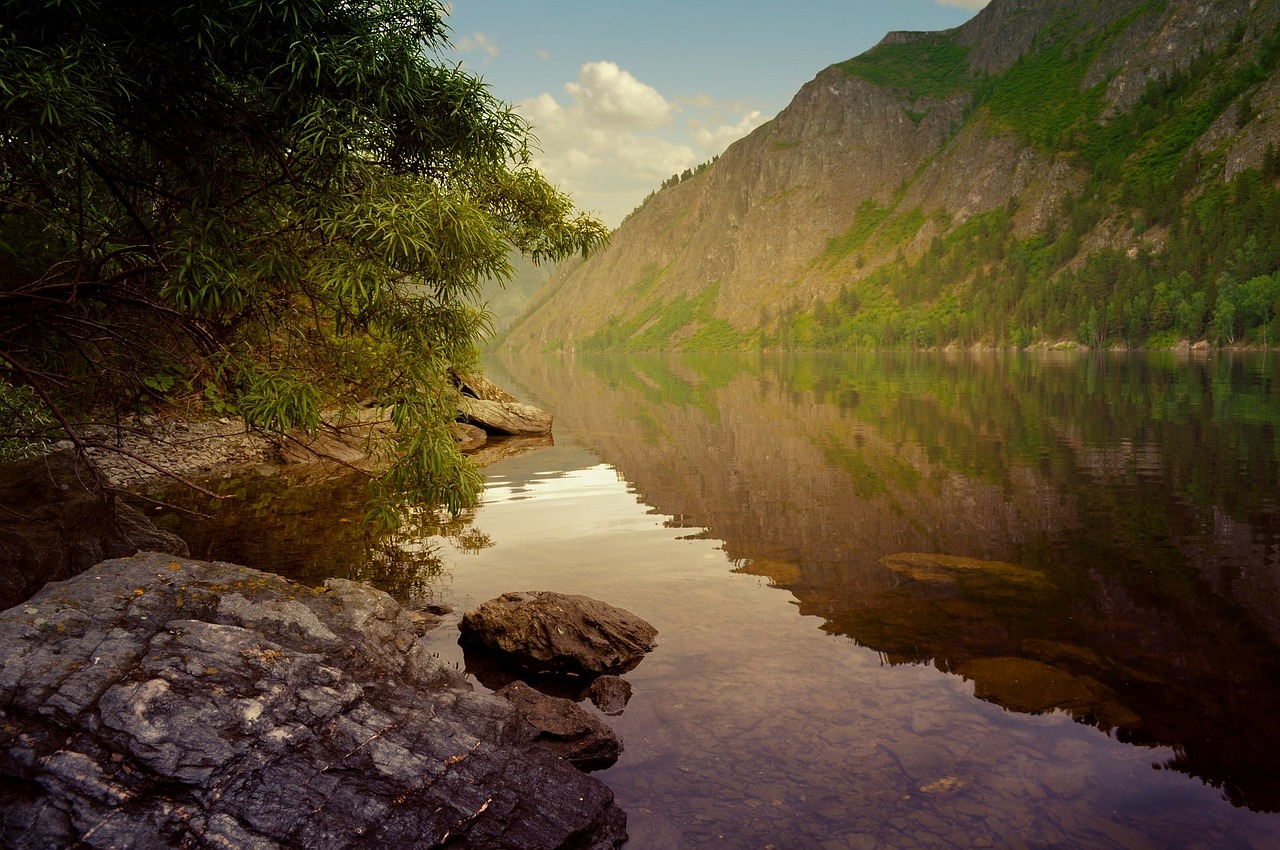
182, 447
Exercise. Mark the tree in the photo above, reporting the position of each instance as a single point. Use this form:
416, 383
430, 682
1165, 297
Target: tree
280, 207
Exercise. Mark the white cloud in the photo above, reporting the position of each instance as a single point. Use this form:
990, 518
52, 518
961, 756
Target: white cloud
611, 140
963, 4
609, 143
717, 138
477, 42
611, 95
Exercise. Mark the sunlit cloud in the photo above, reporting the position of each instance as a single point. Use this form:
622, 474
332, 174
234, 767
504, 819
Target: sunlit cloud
716, 138
610, 95
611, 139
964, 4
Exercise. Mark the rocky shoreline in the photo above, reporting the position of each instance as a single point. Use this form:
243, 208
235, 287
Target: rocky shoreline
156, 701
148, 447
145, 447
152, 700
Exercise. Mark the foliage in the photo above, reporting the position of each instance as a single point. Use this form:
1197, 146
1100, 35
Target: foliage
1214, 276
683, 324
25, 425
870, 216
285, 207
929, 66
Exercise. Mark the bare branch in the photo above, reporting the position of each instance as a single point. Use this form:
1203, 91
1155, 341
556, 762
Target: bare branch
157, 467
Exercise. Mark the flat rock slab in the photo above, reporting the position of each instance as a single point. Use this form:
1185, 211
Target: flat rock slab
541, 632
157, 701
505, 417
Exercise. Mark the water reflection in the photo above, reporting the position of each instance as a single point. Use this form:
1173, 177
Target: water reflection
1097, 536
1023, 596
311, 527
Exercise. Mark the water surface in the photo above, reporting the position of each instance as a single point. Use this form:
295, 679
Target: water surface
902, 600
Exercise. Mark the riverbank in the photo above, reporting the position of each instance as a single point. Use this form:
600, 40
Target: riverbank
147, 447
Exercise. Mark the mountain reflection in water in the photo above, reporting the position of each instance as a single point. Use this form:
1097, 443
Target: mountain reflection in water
1099, 535
1002, 554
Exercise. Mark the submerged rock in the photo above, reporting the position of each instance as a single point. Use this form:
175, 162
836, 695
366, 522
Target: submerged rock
565, 728
934, 568
55, 524
469, 437
1033, 687
610, 694
541, 632
162, 702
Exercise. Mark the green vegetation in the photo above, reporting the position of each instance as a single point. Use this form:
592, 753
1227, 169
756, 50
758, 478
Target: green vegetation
928, 66
1217, 278
1214, 272
682, 324
266, 209
870, 216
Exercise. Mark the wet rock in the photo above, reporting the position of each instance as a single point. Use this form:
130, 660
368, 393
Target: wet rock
542, 632
609, 694
53, 525
505, 417
565, 728
469, 437
157, 701
935, 568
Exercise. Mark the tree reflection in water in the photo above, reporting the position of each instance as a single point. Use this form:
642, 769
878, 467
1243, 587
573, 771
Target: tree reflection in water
1093, 534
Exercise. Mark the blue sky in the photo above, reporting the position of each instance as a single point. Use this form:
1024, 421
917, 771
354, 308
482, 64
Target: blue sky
623, 95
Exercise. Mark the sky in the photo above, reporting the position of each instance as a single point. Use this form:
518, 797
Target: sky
622, 95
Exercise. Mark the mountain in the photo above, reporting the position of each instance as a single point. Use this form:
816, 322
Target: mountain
1054, 171
506, 300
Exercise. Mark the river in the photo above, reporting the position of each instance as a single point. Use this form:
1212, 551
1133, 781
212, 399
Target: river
903, 600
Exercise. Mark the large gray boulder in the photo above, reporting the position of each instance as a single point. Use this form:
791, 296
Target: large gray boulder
156, 701
56, 521
541, 632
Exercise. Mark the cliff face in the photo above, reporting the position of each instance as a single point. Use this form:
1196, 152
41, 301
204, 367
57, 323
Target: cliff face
878, 156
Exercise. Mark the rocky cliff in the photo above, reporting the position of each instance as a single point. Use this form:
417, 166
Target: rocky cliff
1051, 123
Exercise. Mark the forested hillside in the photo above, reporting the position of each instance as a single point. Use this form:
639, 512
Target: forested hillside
1064, 172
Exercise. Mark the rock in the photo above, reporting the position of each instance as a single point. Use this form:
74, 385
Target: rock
470, 437
157, 701
541, 632
610, 694
54, 525
565, 728
505, 417
323, 447
1033, 687
179, 447
478, 386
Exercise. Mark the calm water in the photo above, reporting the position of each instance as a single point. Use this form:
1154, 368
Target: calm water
902, 600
